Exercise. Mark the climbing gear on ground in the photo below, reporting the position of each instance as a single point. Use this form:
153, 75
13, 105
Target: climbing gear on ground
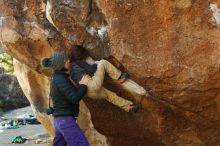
18, 139
31, 119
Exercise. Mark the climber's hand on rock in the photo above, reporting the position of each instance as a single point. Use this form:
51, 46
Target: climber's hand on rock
84, 80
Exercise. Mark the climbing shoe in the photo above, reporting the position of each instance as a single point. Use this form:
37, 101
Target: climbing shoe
123, 77
133, 108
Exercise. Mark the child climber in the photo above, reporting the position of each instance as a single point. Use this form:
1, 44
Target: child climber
81, 64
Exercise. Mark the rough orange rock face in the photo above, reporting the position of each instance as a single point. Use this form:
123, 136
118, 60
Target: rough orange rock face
171, 48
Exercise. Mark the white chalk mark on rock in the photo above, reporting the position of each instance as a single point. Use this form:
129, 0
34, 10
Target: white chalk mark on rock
1, 21
48, 12
215, 13
98, 32
2, 18
92, 31
102, 31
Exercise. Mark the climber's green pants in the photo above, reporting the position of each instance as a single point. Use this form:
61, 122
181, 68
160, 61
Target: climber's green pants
97, 91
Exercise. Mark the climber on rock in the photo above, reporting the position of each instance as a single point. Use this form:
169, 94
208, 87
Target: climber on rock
65, 97
81, 63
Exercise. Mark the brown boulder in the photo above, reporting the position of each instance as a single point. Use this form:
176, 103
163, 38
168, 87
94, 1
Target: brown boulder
11, 94
170, 48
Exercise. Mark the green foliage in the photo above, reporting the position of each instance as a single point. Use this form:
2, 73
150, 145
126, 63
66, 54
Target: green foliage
6, 62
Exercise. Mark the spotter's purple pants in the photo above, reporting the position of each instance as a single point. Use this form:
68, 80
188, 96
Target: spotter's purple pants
67, 132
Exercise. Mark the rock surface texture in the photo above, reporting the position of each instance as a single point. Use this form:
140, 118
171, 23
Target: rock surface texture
171, 48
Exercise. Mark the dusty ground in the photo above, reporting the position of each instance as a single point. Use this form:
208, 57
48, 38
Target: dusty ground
27, 131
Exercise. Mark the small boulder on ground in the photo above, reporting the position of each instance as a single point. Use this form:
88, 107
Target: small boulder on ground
11, 94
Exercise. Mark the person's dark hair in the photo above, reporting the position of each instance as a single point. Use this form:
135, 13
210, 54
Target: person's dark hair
77, 53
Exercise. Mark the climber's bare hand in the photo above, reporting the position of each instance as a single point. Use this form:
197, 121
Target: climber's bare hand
84, 80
